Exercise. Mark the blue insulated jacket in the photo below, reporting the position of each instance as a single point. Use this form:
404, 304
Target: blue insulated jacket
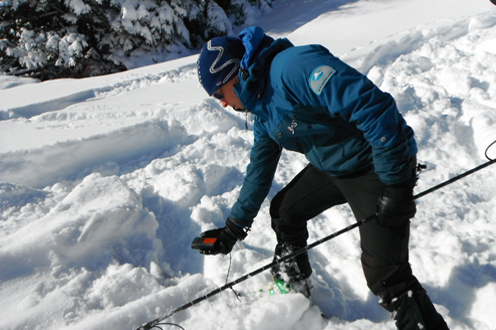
308, 101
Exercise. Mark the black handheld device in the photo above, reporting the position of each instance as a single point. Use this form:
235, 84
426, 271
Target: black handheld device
203, 243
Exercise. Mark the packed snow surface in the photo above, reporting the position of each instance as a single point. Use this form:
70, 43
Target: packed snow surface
105, 181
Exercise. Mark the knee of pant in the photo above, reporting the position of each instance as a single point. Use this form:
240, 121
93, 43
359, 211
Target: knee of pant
275, 205
275, 224
388, 281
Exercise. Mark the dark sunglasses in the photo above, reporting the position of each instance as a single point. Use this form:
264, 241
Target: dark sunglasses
218, 95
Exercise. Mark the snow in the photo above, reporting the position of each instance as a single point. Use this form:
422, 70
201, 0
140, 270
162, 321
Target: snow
105, 181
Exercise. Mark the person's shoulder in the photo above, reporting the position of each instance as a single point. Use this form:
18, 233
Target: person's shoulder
298, 53
296, 64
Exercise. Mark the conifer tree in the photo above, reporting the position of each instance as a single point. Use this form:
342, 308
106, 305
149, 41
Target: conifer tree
78, 38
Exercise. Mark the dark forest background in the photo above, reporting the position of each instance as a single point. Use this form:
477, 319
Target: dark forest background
49, 39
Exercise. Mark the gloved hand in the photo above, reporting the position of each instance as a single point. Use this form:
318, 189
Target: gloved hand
226, 238
396, 204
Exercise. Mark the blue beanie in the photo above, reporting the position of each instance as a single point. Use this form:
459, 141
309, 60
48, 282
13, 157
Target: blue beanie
219, 62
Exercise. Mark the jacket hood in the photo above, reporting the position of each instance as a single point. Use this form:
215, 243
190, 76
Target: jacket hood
255, 64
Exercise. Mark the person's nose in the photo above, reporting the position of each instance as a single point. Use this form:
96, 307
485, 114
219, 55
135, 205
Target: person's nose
224, 103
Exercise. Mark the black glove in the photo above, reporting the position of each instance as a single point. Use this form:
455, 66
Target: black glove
225, 237
396, 204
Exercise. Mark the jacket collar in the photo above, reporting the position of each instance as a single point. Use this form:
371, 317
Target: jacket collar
255, 64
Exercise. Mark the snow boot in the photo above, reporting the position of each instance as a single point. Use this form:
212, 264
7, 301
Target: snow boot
295, 272
408, 314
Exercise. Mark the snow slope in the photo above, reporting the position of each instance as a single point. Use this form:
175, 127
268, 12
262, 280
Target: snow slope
105, 181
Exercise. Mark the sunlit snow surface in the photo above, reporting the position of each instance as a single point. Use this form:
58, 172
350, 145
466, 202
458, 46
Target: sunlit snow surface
105, 181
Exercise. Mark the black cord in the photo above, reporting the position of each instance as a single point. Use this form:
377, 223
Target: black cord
487, 149
227, 277
176, 325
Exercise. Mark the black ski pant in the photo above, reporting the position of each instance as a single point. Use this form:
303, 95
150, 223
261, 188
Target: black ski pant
384, 249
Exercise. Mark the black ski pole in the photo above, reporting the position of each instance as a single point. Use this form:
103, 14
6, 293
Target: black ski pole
155, 322
456, 178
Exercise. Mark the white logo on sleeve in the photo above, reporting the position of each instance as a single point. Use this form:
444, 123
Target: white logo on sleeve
320, 77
